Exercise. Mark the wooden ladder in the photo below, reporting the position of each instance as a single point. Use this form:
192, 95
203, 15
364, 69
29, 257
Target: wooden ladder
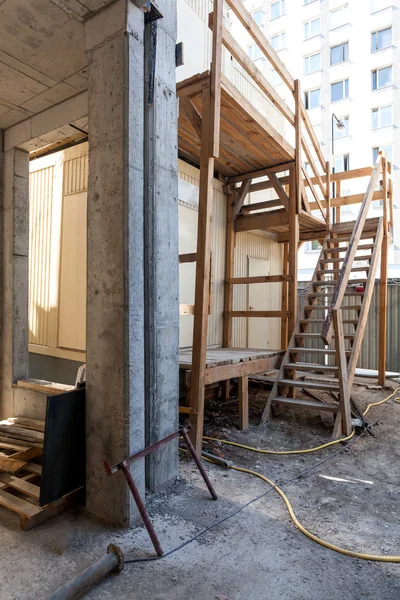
323, 341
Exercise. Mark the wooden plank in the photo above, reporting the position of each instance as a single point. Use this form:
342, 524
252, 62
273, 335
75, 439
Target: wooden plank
256, 75
257, 314
229, 270
187, 258
35, 424
33, 468
326, 332
278, 187
311, 133
260, 206
298, 145
193, 85
22, 507
9, 445
243, 383
29, 453
293, 250
258, 279
311, 162
10, 430
262, 173
50, 510
285, 296
186, 309
255, 32
11, 465
314, 192
383, 283
216, 70
341, 363
250, 367
31, 490
239, 197
265, 220
202, 285
192, 114
345, 200
47, 387
322, 406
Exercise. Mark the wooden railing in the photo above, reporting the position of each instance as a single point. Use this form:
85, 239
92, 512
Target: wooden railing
297, 118
340, 288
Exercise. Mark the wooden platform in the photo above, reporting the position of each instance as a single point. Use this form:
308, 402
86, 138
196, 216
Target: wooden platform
248, 142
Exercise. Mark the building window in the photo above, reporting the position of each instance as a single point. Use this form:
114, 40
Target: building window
312, 28
313, 246
341, 163
387, 149
312, 99
312, 63
382, 117
258, 17
381, 39
277, 9
381, 78
339, 90
278, 42
339, 53
254, 52
342, 132
339, 16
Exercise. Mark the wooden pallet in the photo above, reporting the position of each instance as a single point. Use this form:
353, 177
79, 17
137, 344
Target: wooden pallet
21, 450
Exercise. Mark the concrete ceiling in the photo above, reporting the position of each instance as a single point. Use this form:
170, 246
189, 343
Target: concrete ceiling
42, 54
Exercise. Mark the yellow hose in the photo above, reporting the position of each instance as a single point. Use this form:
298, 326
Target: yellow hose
307, 450
300, 527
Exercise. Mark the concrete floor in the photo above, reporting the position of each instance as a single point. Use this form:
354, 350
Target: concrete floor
352, 500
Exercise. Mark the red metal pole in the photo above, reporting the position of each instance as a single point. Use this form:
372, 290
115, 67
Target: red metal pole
199, 465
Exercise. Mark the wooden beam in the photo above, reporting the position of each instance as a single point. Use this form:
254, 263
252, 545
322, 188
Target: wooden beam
261, 173
216, 70
202, 286
194, 85
293, 250
341, 363
339, 201
328, 194
285, 297
255, 32
187, 258
243, 384
192, 114
310, 160
186, 309
383, 281
260, 206
239, 197
259, 279
311, 133
278, 187
314, 192
229, 270
256, 75
297, 101
259, 314
273, 218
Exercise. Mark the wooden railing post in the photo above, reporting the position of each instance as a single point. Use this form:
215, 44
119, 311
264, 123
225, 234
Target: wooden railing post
328, 194
285, 297
341, 363
383, 291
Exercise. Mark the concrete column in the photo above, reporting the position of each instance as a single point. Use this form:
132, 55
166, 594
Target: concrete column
115, 291
161, 244
14, 183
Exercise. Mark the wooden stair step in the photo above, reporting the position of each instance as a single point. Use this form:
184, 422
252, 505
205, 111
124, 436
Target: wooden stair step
326, 261
334, 283
354, 269
366, 235
314, 367
310, 321
347, 336
296, 349
345, 248
312, 385
327, 295
325, 406
311, 307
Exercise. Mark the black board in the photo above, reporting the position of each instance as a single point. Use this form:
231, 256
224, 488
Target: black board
64, 456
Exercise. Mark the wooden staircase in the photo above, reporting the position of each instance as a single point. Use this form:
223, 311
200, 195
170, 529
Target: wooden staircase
327, 336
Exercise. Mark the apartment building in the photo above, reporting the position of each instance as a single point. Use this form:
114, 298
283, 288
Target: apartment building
346, 55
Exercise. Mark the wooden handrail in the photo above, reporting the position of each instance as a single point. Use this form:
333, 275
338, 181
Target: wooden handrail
338, 293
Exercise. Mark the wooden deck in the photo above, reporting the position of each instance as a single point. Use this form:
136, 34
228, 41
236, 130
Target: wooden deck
248, 142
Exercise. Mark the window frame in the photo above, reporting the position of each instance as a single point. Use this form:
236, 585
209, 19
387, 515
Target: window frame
343, 82
308, 58
307, 96
279, 35
346, 159
258, 49
376, 71
336, 10
253, 12
345, 53
377, 32
282, 9
378, 109
312, 35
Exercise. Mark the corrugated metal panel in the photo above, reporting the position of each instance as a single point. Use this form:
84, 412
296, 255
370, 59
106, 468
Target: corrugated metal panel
75, 175
40, 216
368, 358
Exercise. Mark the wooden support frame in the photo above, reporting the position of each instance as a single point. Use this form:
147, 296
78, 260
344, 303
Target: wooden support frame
239, 197
285, 297
341, 361
383, 282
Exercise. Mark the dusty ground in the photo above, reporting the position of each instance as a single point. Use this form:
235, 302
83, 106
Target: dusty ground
351, 500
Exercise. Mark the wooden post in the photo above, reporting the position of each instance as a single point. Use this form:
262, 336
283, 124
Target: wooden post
298, 118
337, 208
228, 291
243, 402
285, 298
383, 291
341, 363
202, 287
216, 69
328, 194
